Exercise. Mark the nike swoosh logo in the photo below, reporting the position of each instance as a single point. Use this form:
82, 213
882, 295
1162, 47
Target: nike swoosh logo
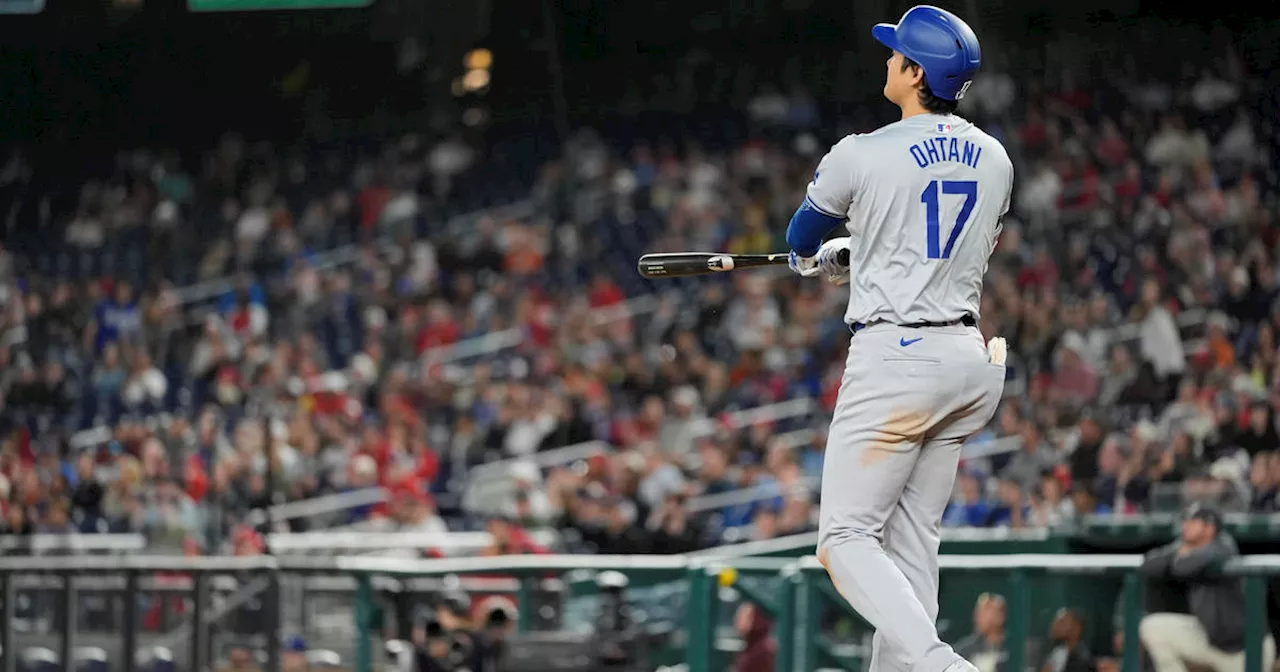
908, 341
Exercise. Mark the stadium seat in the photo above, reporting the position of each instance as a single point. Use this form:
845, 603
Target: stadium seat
90, 659
400, 655
156, 659
39, 659
323, 658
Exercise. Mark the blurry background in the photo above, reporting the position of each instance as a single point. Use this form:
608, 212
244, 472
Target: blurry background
291, 282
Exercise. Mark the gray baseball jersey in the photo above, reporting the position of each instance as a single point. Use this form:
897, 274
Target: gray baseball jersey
923, 197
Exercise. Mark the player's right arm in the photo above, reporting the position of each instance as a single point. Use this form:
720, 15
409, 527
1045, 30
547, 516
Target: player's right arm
826, 203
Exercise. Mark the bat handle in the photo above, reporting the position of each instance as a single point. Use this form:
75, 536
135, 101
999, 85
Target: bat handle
843, 257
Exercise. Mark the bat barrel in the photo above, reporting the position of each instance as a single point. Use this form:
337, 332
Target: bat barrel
687, 264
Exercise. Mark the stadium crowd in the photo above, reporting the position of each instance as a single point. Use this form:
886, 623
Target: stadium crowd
310, 373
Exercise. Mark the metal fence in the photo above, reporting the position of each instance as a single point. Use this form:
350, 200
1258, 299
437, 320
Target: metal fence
795, 591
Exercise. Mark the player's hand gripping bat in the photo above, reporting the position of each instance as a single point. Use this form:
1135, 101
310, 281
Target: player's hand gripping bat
685, 264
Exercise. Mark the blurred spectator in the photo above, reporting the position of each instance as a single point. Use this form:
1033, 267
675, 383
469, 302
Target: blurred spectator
496, 618
1031, 461
1084, 501
1012, 508
1049, 505
509, 538
755, 628
1161, 343
423, 350
1068, 653
672, 529
985, 647
435, 652
970, 509
1212, 634
1264, 478
293, 655
1075, 382
240, 658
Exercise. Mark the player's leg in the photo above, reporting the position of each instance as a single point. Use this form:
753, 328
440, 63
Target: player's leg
912, 532
861, 568
886, 404
915, 533
913, 536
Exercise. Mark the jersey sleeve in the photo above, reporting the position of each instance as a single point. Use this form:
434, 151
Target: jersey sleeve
826, 201
831, 191
1008, 194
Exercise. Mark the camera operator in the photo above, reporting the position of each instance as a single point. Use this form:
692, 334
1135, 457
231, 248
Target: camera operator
434, 648
445, 641
491, 640
617, 638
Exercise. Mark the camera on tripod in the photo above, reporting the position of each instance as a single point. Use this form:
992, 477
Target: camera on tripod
618, 640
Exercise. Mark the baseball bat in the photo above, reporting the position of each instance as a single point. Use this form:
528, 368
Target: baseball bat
686, 264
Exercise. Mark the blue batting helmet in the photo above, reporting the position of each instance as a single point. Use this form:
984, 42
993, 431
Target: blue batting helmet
942, 43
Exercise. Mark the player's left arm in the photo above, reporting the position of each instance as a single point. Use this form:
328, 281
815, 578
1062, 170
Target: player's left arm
826, 201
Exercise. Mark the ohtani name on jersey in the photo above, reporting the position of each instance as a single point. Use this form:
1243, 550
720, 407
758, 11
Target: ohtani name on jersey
935, 150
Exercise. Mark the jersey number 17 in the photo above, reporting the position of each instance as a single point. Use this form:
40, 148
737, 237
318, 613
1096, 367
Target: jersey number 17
930, 197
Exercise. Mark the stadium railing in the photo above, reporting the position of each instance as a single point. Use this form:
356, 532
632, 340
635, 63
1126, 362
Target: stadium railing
1100, 530
750, 495
337, 542
39, 544
801, 591
489, 485
812, 584
460, 225
318, 506
498, 341
800, 437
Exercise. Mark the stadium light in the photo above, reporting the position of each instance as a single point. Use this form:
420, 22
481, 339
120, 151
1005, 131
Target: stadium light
475, 80
478, 59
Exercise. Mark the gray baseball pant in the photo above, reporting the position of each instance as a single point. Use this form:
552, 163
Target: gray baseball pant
909, 399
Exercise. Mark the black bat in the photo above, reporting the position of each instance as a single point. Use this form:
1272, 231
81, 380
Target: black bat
685, 264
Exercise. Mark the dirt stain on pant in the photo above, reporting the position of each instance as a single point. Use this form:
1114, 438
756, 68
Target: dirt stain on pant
902, 432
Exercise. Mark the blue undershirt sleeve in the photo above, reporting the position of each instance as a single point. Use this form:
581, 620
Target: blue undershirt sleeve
809, 227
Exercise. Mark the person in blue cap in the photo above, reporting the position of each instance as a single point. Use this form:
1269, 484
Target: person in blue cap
293, 656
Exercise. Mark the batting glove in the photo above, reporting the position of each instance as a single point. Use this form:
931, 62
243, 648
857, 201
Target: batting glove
997, 350
805, 266
829, 260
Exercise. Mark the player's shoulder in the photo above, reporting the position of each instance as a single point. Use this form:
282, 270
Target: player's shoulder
989, 143
893, 130
854, 147
842, 154
845, 145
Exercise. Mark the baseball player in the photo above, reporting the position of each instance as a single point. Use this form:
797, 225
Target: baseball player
922, 200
